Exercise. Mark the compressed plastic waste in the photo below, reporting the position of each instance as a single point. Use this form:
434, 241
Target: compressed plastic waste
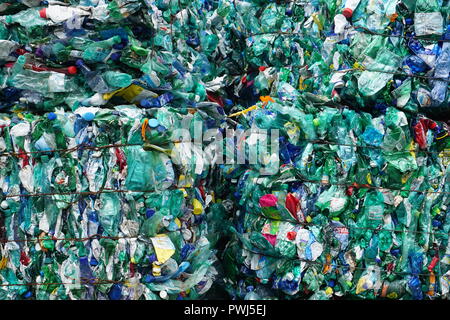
99, 201
89, 212
356, 206
360, 53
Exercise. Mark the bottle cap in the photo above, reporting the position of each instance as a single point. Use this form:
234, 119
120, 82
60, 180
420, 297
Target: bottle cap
115, 56
39, 52
291, 235
93, 262
161, 129
153, 123
4, 204
72, 70
149, 213
51, 116
163, 294
436, 223
347, 12
21, 51
43, 13
88, 116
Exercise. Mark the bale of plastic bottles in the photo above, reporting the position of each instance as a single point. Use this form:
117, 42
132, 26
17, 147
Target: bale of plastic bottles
94, 208
355, 207
106, 196
99, 199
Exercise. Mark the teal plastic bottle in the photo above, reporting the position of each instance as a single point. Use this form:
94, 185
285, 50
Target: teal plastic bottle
100, 50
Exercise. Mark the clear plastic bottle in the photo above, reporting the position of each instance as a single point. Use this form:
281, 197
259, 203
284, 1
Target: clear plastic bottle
93, 79
44, 82
59, 14
442, 70
27, 18
16, 68
99, 51
117, 79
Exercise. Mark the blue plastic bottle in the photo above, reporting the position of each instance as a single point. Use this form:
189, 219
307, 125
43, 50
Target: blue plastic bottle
442, 70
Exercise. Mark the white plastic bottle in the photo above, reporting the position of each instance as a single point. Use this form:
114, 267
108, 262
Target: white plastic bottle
350, 6
60, 13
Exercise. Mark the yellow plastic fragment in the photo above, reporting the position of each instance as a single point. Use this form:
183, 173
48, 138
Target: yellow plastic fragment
198, 207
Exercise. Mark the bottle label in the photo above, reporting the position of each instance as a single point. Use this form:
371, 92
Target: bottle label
164, 247
426, 23
56, 82
376, 213
76, 53
135, 93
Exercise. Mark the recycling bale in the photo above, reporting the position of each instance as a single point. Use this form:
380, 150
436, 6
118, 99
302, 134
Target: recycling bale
354, 207
93, 207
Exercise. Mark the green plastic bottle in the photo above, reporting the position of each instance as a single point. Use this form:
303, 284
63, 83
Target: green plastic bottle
16, 69
100, 50
27, 18
117, 79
